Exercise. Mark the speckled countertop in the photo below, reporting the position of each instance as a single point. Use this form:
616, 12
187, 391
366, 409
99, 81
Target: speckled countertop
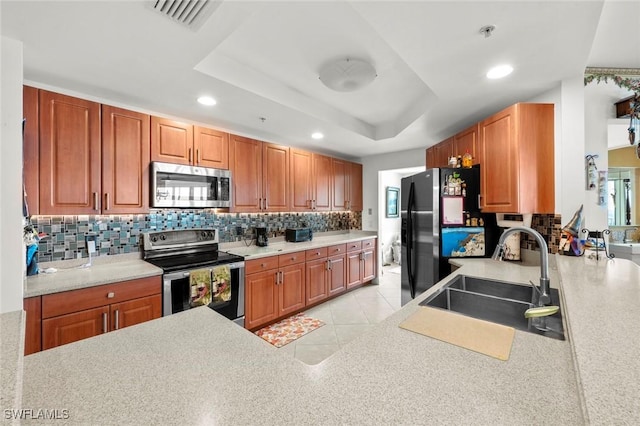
104, 270
279, 246
12, 327
198, 368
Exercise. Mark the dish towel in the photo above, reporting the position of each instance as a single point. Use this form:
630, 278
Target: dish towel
221, 285
200, 282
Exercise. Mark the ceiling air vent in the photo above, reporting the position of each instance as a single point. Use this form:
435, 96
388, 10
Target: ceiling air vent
189, 13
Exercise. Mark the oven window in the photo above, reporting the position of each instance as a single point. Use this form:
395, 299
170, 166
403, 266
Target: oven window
177, 186
181, 296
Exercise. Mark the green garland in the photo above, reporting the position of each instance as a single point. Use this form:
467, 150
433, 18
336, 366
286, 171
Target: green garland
621, 78
632, 84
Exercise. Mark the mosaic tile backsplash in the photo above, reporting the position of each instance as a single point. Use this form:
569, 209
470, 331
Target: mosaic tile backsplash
548, 225
121, 234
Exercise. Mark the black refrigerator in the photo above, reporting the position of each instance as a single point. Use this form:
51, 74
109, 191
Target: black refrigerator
441, 219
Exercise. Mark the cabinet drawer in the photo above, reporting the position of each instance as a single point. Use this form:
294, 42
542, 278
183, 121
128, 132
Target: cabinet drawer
93, 297
291, 258
260, 265
354, 246
368, 244
337, 249
318, 253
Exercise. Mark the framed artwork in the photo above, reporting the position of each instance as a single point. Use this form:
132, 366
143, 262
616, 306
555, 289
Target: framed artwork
393, 201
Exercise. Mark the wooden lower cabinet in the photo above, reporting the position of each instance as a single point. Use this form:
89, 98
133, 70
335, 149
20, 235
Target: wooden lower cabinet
354, 265
69, 328
79, 314
33, 325
316, 275
337, 275
274, 288
361, 264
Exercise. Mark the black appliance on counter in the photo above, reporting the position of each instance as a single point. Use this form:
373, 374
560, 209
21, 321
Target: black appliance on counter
297, 235
262, 240
441, 219
181, 253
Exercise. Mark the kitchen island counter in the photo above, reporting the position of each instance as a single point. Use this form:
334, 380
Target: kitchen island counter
198, 368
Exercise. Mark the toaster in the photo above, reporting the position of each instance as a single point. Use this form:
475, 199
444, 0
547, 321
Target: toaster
296, 235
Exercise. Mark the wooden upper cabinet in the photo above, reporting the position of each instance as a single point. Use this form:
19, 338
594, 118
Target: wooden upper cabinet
69, 155
171, 141
443, 151
31, 149
245, 157
275, 177
300, 188
517, 151
125, 161
322, 182
355, 187
430, 160
467, 141
211, 148
340, 171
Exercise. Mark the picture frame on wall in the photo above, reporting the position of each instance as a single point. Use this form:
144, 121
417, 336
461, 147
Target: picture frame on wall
393, 202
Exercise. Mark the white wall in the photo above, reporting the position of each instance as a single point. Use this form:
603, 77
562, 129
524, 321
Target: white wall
11, 248
389, 227
370, 167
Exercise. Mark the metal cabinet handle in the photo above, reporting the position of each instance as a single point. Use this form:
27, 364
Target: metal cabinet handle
104, 322
266, 204
197, 156
277, 277
281, 277
117, 319
95, 201
106, 200
111, 295
190, 156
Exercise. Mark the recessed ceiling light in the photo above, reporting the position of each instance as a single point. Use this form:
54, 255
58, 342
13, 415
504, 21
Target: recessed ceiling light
499, 71
206, 100
317, 135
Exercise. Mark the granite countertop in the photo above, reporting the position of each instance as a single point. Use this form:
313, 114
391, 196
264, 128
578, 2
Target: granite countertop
12, 328
633, 248
198, 367
104, 270
279, 246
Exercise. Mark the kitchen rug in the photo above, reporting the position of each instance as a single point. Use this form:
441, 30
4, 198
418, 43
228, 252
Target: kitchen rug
289, 329
480, 336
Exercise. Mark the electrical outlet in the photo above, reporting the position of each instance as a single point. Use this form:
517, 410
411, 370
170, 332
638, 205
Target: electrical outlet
91, 243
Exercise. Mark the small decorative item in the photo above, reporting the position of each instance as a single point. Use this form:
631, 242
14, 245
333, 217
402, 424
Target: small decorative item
602, 187
569, 242
591, 172
392, 201
596, 243
467, 160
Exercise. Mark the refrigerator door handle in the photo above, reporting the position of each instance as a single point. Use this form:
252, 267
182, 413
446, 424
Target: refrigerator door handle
412, 286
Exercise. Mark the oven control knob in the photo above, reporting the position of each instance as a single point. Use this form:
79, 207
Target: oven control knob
203, 235
210, 235
154, 239
163, 237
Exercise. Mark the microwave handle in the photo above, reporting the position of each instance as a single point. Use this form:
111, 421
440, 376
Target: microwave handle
219, 191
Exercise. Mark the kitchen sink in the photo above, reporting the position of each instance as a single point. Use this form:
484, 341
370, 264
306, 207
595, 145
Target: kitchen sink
497, 301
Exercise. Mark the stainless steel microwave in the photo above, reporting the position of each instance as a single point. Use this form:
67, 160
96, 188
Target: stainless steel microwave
176, 185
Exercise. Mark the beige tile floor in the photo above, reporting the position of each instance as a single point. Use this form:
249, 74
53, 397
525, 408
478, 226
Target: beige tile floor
347, 317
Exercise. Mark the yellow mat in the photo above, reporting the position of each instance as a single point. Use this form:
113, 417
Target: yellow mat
477, 335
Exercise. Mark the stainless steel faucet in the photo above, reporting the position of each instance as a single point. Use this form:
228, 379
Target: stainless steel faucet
544, 291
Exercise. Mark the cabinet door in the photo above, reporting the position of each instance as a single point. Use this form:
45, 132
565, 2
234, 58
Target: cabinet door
316, 281
291, 289
354, 263
212, 148
339, 184
171, 141
337, 275
275, 177
125, 161
467, 141
301, 180
355, 187
135, 311
431, 161
368, 265
33, 325
246, 167
498, 174
30, 148
321, 182
69, 155
261, 298
444, 151
69, 328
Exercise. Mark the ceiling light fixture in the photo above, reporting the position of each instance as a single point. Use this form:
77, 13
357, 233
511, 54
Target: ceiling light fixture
500, 71
207, 100
317, 135
347, 75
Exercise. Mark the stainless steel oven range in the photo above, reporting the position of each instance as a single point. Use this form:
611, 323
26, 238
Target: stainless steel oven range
196, 272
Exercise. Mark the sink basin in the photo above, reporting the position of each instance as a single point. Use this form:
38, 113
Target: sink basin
497, 301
